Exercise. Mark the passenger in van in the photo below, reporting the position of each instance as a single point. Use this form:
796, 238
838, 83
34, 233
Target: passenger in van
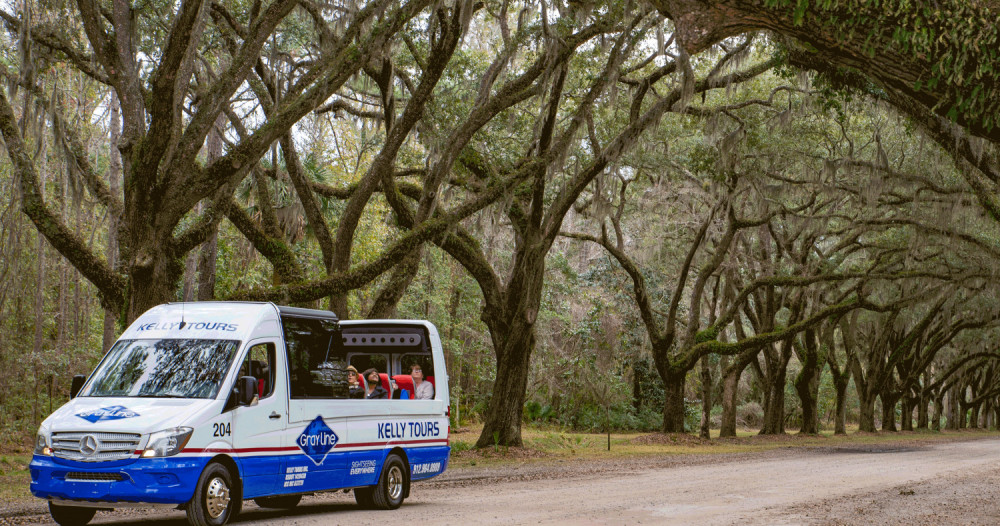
422, 390
375, 390
354, 389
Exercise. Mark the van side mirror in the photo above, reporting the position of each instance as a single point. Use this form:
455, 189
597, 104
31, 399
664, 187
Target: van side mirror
74, 388
246, 390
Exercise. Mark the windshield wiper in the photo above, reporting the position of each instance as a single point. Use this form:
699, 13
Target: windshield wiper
161, 396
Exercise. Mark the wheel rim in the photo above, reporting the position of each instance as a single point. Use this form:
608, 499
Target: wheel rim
395, 485
217, 497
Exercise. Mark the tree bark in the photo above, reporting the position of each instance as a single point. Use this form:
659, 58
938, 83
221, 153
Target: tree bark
673, 402
774, 390
730, 387
840, 384
953, 410
807, 384
906, 422
209, 249
866, 412
706, 398
938, 411
889, 412
513, 349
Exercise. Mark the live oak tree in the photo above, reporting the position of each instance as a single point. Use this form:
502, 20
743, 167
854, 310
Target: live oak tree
171, 98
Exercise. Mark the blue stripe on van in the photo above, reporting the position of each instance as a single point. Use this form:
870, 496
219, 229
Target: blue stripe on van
173, 479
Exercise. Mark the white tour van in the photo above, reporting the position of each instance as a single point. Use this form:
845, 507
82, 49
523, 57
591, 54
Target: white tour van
202, 405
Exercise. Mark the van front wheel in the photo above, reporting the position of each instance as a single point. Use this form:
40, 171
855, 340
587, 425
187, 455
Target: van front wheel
215, 500
392, 484
71, 515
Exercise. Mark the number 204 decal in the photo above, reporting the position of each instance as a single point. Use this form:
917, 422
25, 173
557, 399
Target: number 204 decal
221, 429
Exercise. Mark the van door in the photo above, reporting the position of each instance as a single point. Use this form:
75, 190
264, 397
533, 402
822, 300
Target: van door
258, 431
317, 429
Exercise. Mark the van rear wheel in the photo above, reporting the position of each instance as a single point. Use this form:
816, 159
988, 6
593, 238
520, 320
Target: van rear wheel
71, 515
393, 484
216, 500
285, 502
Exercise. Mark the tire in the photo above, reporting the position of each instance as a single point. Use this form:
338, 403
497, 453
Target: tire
71, 515
216, 499
285, 502
393, 484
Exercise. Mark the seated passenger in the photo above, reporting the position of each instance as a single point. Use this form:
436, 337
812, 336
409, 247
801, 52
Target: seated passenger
354, 389
422, 390
374, 390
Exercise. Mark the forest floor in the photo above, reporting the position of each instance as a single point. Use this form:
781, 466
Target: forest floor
883, 478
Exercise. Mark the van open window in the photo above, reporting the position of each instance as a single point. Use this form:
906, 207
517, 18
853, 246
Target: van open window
167, 368
317, 365
259, 364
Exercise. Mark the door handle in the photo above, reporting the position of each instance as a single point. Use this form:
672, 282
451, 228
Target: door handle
274, 415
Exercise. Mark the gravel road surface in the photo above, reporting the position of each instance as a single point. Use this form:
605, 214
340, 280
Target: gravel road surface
939, 483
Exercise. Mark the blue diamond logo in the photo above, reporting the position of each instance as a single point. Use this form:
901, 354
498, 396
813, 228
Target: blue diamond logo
317, 440
116, 412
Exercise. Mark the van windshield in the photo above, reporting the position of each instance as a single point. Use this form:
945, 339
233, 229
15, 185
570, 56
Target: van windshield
163, 369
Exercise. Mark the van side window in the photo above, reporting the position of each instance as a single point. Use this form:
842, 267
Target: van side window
425, 361
364, 361
317, 365
259, 364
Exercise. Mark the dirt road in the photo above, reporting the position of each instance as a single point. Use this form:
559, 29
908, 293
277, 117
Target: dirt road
942, 483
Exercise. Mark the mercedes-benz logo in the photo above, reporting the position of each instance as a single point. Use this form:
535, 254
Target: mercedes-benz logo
89, 445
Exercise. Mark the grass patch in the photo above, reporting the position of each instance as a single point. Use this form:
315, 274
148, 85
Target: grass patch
545, 443
14, 477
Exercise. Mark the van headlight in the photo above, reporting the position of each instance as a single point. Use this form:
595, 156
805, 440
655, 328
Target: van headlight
42, 446
167, 442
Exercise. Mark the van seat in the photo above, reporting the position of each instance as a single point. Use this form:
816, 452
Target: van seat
261, 372
385, 383
404, 381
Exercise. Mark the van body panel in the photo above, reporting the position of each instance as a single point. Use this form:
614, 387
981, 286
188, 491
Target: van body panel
159, 481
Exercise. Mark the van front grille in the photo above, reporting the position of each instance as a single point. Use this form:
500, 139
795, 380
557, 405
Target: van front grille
94, 447
93, 477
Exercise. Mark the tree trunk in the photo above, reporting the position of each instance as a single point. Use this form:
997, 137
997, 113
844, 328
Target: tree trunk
774, 417
36, 349
938, 412
807, 386
114, 184
974, 416
206, 268
952, 410
190, 266
866, 412
923, 402
730, 387
502, 424
673, 404
888, 412
906, 423
706, 398
774, 391
152, 284
840, 383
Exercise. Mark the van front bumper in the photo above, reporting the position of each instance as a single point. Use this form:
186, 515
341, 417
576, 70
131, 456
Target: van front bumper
169, 480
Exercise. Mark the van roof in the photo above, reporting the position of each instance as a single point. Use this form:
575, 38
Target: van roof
299, 312
223, 320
